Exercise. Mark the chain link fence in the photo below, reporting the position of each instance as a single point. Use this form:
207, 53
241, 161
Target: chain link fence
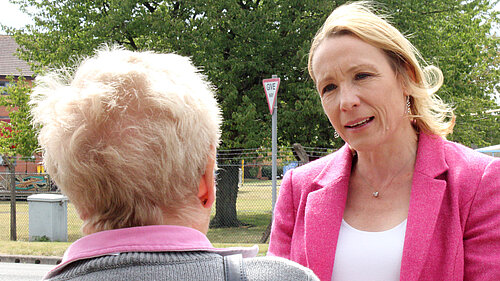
29, 184
243, 209
242, 212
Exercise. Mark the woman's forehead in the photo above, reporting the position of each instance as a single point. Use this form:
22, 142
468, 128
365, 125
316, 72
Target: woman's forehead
346, 53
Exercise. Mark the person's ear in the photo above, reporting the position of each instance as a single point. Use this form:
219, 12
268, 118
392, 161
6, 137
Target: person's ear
410, 73
206, 189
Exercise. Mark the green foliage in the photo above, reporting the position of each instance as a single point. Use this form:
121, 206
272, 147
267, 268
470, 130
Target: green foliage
251, 172
267, 171
41, 239
18, 136
455, 36
238, 43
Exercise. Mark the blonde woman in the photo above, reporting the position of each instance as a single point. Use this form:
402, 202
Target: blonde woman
398, 201
131, 140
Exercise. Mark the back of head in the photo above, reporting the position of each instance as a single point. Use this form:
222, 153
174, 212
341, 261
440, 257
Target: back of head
359, 19
127, 137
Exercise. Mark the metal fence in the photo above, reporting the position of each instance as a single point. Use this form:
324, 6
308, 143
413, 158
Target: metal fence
242, 212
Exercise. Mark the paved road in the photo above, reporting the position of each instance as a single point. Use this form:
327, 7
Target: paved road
22, 271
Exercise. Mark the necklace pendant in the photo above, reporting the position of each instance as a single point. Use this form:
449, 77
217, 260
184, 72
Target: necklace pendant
375, 194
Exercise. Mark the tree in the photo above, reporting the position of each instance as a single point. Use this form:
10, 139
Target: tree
17, 136
456, 36
238, 43
227, 192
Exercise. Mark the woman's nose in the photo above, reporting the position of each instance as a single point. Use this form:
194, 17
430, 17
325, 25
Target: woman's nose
348, 99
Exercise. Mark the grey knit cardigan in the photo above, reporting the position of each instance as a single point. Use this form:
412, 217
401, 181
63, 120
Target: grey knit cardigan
190, 266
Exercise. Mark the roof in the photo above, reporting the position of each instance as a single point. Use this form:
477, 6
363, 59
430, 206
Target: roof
10, 64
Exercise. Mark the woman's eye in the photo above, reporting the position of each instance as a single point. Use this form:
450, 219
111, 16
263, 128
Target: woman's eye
328, 88
361, 76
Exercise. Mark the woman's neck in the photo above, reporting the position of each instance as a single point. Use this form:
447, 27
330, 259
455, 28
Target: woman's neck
379, 164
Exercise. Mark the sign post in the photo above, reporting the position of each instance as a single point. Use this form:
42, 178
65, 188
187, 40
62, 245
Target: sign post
271, 88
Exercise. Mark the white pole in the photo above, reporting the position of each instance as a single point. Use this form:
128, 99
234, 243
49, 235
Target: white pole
274, 145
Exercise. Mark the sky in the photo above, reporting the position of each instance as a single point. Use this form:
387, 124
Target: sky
10, 15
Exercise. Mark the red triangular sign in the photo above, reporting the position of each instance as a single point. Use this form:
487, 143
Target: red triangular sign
271, 88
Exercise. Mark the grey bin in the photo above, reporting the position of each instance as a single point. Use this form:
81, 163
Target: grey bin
48, 217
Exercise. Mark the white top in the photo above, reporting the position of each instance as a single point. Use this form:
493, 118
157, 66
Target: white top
364, 255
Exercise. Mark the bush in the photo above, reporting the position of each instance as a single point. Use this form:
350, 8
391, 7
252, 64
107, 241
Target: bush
267, 171
251, 172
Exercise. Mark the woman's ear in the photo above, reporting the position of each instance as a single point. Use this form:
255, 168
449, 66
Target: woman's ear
206, 188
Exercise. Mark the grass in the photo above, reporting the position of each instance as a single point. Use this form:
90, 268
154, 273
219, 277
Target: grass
33, 248
253, 209
251, 233
255, 196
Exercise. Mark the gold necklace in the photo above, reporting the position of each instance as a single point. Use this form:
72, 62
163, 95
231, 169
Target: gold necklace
376, 193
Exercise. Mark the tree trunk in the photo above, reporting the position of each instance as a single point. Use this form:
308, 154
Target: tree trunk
227, 192
11, 165
300, 153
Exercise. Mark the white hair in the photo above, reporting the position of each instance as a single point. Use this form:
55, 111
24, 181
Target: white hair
127, 138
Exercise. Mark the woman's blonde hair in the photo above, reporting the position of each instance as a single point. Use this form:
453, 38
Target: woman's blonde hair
128, 136
429, 112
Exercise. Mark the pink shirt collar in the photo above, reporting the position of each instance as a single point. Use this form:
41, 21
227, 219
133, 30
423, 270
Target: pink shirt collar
154, 238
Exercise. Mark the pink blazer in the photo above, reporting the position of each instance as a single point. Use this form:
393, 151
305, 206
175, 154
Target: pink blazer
453, 227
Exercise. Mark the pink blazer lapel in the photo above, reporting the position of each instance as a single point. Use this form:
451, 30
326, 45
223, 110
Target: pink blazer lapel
323, 214
425, 203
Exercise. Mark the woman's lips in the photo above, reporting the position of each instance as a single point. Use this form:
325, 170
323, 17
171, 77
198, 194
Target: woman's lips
359, 123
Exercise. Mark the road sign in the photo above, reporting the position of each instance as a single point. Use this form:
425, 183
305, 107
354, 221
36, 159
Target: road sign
271, 88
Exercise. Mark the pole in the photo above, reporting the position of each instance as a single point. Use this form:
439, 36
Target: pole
12, 173
242, 171
275, 148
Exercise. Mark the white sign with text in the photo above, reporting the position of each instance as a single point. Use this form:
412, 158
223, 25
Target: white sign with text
271, 88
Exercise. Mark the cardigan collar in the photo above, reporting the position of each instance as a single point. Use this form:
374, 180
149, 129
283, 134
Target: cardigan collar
325, 208
153, 238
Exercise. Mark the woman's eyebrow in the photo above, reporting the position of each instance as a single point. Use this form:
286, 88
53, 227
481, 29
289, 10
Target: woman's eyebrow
362, 66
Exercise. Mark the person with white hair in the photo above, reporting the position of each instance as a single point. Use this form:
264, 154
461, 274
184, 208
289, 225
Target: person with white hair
131, 139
